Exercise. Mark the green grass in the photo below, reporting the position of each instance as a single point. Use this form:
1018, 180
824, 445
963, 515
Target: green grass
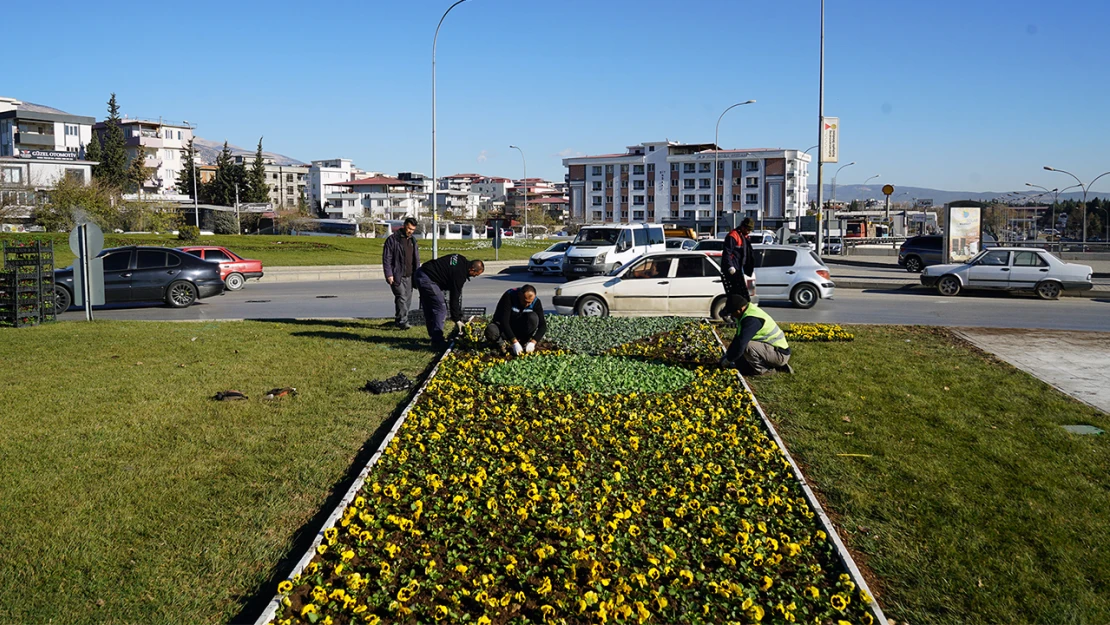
298, 251
972, 504
127, 495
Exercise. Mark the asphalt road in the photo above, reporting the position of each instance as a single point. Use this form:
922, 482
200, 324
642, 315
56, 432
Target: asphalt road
372, 299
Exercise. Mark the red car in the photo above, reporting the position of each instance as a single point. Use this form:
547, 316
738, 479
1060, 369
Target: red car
234, 270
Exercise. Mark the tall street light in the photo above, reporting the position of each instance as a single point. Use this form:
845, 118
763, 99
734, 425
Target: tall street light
821, 131
1055, 200
834, 193
524, 183
870, 179
193, 153
435, 182
810, 148
717, 149
1085, 187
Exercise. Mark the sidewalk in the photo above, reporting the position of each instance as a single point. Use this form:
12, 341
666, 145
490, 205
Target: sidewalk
1076, 363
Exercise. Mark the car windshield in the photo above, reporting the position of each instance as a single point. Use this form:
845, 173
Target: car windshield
712, 246
598, 236
558, 247
617, 270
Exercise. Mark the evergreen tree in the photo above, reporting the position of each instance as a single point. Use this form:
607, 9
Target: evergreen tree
137, 171
185, 176
221, 190
92, 153
113, 151
259, 191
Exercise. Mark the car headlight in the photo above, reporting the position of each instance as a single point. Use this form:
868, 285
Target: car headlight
600, 259
558, 291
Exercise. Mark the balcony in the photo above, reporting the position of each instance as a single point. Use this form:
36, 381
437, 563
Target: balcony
147, 141
34, 138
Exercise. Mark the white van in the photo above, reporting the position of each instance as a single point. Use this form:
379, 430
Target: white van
598, 250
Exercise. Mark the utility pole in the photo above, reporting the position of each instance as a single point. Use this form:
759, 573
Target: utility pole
821, 130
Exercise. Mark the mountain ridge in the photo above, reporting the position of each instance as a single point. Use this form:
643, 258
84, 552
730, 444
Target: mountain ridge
207, 151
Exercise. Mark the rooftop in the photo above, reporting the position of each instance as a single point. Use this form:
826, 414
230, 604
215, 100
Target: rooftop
376, 180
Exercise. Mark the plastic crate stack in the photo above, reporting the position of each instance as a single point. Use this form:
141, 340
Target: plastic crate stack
27, 284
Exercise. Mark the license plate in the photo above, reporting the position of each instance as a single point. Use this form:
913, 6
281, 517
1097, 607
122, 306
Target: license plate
580, 269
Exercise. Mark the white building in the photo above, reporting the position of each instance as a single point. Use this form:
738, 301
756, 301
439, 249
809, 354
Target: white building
667, 181
162, 145
491, 188
288, 184
38, 146
322, 178
377, 197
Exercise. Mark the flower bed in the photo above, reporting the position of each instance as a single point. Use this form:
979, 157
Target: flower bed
507, 503
802, 332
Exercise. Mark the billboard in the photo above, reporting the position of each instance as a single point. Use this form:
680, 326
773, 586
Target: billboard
830, 139
962, 228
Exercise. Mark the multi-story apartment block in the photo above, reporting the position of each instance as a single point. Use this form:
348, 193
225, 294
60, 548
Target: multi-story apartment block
161, 144
38, 146
491, 188
323, 177
377, 197
672, 182
288, 183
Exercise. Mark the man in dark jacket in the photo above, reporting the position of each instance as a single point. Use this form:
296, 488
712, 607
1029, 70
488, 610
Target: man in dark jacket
518, 318
738, 259
760, 345
400, 259
447, 274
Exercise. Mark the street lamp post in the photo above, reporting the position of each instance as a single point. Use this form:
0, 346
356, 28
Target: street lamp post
435, 208
870, 179
524, 183
716, 149
193, 153
834, 192
1085, 187
820, 130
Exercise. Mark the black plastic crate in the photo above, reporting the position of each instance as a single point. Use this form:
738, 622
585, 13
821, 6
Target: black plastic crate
416, 317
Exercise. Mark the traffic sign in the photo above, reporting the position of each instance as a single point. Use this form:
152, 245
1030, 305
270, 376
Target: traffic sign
95, 239
888, 189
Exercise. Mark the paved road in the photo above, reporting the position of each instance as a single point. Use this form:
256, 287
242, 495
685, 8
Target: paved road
371, 298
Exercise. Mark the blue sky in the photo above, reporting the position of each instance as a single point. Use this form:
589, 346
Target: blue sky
973, 95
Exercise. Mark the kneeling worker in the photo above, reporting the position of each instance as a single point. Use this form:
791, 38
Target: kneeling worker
760, 346
446, 274
518, 319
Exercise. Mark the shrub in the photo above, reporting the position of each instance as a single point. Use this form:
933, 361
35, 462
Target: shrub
225, 223
188, 233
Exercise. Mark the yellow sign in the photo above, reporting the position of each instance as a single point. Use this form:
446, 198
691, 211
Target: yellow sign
888, 189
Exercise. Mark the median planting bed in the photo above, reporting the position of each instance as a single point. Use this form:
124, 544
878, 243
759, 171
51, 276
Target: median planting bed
622, 480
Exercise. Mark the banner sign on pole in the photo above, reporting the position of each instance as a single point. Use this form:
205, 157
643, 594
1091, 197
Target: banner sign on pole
830, 139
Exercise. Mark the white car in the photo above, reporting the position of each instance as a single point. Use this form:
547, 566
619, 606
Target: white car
788, 273
1010, 268
549, 261
800, 241
684, 284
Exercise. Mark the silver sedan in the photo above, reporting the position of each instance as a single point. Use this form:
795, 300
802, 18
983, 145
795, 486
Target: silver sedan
1009, 268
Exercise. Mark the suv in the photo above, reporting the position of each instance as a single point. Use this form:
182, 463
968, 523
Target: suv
919, 252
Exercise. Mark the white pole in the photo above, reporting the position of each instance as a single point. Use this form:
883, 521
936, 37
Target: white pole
524, 183
821, 131
435, 209
716, 149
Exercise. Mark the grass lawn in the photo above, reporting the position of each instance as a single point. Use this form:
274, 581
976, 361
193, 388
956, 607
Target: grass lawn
127, 495
971, 504
298, 251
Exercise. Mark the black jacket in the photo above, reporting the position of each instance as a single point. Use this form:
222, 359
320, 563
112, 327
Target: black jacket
450, 274
393, 261
508, 310
738, 253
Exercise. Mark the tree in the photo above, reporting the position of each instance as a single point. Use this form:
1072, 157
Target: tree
221, 190
69, 197
224, 223
185, 176
93, 153
137, 171
113, 153
854, 206
258, 191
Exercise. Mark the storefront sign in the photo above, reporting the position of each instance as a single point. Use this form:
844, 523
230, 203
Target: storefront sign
52, 155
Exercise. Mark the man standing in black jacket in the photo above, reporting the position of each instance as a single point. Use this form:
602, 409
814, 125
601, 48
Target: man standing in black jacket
738, 259
400, 259
518, 318
434, 278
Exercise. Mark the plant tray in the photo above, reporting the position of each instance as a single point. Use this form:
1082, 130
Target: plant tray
417, 316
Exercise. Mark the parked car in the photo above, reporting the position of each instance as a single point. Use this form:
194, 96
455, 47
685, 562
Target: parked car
921, 251
681, 244
790, 273
685, 284
834, 246
800, 241
1009, 268
766, 237
148, 274
549, 260
712, 248
234, 269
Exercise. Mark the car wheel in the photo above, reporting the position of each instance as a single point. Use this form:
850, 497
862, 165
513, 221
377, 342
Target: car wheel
181, 294
804, 296
914, 264
949, 285
234, 282
1049, 290
62, 299
591, 306
717, 310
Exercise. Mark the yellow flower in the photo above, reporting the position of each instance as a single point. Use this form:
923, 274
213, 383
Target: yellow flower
484, 620
634, 530
755, 613
813, 592
839, 601
767, 582
321, 548
440, 612
285, 587
348, 555
462, 569
308, 609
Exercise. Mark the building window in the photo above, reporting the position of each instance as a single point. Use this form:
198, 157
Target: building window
597, 200
624, 199
638, 185
624, 184
688, 199
608, 169
596, 170
705, 167
638, 215
751, 198
753, 166
703, 183
608, 199
638, 200
597, 185
703, 198
608, 184
674, 198
289, 190
11, 175
289, 177
751, 182
76, 175
651, 148
674, 166
735, 197
688, 183
651, 168
637, 169
624, 169
688, 168
674, 182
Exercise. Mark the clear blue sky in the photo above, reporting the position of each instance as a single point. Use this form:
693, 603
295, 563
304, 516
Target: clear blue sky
971, 95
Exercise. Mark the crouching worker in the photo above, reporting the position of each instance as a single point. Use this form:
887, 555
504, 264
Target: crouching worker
760, 346
518, 322
444, 275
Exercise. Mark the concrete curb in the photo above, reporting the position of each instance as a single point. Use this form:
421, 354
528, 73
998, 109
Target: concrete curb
881, 285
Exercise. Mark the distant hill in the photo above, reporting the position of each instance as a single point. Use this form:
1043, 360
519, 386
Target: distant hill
849, 192
207, 151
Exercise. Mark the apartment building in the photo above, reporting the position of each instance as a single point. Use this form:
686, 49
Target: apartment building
38, 146
161, 144
288, 184
323, 177
377, 197
668, 181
